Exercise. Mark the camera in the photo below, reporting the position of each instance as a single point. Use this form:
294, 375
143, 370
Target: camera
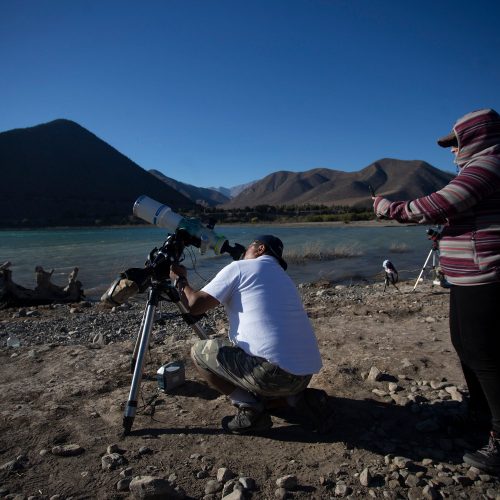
434, 234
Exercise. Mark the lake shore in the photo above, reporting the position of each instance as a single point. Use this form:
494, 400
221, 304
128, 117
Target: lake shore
389, 372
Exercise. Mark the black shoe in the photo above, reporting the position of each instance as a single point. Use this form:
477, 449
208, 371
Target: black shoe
314, 410
248, 420
487, 458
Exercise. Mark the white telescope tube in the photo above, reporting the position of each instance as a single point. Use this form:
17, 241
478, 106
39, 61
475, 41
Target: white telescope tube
163, 216
156, 213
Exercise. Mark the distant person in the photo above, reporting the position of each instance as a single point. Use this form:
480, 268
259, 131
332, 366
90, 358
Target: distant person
469, 209
272, 351
391, 274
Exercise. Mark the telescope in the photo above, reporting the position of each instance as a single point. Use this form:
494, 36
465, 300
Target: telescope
202, 237
183, 232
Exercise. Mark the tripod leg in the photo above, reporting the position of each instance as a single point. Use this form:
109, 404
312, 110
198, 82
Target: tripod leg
133, 359
423, 269
200, 331
144, 334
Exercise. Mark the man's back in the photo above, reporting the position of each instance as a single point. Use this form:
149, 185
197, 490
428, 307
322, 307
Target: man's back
266, 315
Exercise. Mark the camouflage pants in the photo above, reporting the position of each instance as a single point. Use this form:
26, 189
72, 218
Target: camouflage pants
251, 373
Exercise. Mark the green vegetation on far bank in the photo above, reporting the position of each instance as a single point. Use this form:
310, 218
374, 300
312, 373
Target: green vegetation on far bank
247, 215
287, 213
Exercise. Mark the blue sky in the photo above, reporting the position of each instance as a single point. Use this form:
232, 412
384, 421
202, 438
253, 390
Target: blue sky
223, 92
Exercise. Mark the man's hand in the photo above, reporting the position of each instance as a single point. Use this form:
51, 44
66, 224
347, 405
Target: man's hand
177, 271
197, 302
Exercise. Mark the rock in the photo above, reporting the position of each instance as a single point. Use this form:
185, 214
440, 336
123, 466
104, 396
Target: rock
248, 483
224, 474
67, 450
230, 486
438, 385
401, 462
463, 480
13, 465
144, 450
412, 480
342, 490
455, 394
113, 448
152, 488
235, 495
365, 477
112, 461
281, 494
429, 492
400, 400
380, 392
393, 387
374, 374
415, 493
124, 484
128, 472
212, 486
288, 482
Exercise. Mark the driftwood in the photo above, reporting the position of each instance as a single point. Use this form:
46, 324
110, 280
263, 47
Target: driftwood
45, 292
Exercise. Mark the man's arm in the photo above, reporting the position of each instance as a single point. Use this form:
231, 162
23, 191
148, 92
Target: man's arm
198, 302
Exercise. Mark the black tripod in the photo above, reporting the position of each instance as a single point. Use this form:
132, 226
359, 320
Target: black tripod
160, 290
156, 276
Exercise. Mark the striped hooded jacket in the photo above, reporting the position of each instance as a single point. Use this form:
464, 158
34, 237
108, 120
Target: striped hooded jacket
468, 207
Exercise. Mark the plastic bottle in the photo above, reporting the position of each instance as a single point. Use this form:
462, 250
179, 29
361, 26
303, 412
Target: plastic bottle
13, 341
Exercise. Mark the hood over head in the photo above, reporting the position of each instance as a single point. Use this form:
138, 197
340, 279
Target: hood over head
477, 133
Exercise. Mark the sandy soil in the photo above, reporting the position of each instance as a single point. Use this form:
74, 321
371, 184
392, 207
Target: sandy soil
55, 394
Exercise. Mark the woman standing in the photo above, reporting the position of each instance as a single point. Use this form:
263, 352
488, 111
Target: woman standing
469, 209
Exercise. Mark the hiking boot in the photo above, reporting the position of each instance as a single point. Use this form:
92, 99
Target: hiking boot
314, 411
248, 420
488, 457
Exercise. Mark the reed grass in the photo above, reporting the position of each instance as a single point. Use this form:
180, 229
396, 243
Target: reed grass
314, 251
399, 248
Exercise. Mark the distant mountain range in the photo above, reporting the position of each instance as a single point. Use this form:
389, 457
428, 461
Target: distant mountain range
233, 191
207, 197
396, 179
59, 173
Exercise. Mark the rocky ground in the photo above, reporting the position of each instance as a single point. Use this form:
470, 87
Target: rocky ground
389, 370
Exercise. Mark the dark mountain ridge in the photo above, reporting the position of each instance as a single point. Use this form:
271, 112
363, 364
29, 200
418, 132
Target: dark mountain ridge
59, 173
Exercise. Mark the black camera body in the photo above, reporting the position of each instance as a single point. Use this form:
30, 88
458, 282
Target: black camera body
434, 234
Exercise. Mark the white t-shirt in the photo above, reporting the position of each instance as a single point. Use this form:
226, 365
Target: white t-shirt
266, 316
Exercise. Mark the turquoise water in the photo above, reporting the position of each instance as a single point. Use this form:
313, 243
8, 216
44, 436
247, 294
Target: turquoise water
101, 253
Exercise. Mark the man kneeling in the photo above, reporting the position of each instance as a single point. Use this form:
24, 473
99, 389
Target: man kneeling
272, 351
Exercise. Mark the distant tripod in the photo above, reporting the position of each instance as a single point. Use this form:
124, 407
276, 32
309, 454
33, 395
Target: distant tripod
434, 253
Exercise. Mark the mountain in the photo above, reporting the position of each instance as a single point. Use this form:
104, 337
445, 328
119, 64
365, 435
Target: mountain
207, 197
59, 173
396, 179
233, 191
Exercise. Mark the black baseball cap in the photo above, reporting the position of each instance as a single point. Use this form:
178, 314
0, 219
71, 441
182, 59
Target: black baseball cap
275, 246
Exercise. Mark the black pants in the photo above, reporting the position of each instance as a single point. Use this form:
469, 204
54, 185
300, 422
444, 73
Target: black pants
475, 334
